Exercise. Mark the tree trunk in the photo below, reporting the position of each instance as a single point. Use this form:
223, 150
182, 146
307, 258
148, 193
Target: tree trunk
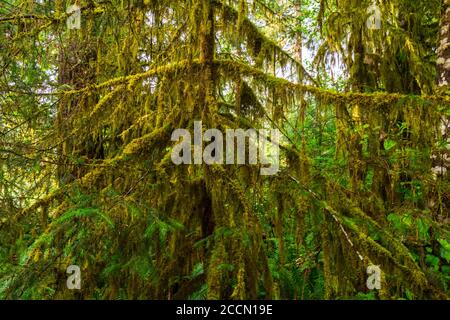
443, 62
441, 160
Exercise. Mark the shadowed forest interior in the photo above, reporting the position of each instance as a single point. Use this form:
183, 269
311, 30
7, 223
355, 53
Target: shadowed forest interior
358, 89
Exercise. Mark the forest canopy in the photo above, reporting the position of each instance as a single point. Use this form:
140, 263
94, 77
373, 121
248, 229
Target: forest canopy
90, 98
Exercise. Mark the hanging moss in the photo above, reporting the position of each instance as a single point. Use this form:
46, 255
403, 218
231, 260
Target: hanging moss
141, 227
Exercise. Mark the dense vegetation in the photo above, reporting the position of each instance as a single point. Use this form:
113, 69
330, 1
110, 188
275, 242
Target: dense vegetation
86, 177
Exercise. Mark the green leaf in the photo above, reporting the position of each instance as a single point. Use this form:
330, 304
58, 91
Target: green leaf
84, 212
389, 144
433, 261
445, 249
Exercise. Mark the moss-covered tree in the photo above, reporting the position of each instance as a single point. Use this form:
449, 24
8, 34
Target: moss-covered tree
355, 187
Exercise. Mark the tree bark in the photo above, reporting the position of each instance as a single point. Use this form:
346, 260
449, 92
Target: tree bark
443, 51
